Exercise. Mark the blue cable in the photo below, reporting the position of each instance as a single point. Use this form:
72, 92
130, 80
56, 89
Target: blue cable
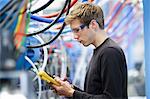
84, 0
130, 9
127, 22
129, 31
113, 14
3, 3
46, 20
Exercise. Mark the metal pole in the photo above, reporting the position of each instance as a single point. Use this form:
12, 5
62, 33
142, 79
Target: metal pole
146, 4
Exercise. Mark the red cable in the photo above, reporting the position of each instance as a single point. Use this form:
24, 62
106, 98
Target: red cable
112, 10
114, 18
18, 38
56, 13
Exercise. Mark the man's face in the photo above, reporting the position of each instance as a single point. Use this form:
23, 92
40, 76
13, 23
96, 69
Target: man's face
81, 32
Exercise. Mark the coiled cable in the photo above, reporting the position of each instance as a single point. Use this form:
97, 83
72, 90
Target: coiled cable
41, 45
35, 33
43, 7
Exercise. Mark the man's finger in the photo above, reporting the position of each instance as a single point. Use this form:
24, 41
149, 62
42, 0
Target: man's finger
54, 86
58, 80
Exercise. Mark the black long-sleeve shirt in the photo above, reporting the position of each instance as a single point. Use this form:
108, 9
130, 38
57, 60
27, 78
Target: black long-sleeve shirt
106, 77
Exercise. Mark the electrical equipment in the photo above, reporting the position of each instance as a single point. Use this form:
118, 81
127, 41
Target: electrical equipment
47, 77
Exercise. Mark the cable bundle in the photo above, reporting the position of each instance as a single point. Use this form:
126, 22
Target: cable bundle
51, 24
12, 21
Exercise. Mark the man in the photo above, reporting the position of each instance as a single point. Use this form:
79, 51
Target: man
106, 77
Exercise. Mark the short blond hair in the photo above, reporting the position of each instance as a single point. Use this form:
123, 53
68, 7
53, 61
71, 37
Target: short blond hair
85, 12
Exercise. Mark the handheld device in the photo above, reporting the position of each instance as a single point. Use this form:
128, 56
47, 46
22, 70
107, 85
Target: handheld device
47, 77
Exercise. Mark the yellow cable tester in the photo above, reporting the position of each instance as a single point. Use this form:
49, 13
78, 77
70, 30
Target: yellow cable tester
48, 78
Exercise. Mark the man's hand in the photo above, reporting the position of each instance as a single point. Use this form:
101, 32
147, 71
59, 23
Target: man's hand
65, 88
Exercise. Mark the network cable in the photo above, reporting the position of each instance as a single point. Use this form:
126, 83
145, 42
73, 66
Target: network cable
56, 13
9, 15
15, 14
46, 20
123, 18
38, 32
41, 45
36, 70
8, 6
43, 7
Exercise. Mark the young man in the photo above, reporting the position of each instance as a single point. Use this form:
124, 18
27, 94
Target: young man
106, 77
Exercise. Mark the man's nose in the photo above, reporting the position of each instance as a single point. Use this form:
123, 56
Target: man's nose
76, 36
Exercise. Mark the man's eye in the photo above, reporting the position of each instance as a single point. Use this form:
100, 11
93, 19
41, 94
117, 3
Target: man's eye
75, 30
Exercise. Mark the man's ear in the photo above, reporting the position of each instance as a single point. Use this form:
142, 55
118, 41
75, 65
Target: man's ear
93, 24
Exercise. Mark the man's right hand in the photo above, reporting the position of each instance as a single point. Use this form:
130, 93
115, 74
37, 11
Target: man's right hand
65, 88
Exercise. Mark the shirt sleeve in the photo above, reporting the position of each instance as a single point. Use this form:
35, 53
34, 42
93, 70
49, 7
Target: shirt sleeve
84, 95
111, 75
76, 88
